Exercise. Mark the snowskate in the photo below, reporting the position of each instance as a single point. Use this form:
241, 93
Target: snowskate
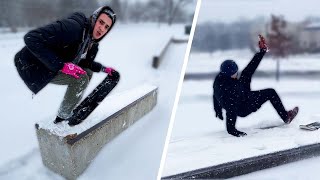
311, 127
85, 108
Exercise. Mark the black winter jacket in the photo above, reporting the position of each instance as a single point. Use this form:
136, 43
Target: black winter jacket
49, 47
235, 95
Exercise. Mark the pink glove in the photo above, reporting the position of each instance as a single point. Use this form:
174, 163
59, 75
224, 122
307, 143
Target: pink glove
108, 70
72, 70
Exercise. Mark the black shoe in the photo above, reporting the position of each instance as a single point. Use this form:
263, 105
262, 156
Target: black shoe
58, 119
237, 133
73, 122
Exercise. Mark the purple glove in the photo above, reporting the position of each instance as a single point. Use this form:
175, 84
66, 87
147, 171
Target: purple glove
108, 70
72, 70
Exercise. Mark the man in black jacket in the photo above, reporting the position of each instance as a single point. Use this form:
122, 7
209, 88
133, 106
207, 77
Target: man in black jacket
63, 53
236, 97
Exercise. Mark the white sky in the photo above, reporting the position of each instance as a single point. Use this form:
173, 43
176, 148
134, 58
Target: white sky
232, 10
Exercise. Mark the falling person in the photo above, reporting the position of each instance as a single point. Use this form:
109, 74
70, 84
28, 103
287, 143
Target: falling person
235, 95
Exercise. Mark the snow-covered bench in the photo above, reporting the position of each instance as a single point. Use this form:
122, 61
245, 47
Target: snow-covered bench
69, 150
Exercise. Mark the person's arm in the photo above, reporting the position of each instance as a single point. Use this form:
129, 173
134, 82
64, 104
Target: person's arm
89, 61
217, 108
62, 33
231, 115
255, 61
231, 121
253, 64
91, 64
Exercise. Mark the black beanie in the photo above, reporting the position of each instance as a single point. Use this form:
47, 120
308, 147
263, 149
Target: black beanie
228, 68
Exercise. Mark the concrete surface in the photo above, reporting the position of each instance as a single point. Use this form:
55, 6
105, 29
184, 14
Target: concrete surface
69, 156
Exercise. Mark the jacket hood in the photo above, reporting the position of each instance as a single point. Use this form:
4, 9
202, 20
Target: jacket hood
109, 12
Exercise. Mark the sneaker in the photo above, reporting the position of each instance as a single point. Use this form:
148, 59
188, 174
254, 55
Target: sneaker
58, 119
292, 114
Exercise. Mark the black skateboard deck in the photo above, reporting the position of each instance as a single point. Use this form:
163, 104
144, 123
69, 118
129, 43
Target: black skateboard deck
86, 107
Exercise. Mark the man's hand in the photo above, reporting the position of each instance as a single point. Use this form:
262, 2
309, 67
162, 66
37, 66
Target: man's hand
72, 70
262, 44
219, 115
108, 70
237, 133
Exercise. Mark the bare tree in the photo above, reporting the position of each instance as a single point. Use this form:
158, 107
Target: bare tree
118, 6
279, 40
173, 8
7, 15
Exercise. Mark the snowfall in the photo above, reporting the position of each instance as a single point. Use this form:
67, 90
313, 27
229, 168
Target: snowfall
199, 139
135, 153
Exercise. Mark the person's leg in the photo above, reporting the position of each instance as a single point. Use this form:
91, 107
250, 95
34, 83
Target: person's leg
74, 91
264, 95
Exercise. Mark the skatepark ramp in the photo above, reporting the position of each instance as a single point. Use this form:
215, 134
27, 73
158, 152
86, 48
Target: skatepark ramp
158, 58
252, 164
68, 151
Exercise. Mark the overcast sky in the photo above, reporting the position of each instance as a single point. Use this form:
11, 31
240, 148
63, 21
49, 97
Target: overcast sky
232, 10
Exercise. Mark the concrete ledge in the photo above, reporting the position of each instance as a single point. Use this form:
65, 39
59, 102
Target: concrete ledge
245, 166
180, 40
158, 58
69, 156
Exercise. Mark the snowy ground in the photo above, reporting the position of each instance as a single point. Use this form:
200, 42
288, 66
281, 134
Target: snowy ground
200, 140
129, 49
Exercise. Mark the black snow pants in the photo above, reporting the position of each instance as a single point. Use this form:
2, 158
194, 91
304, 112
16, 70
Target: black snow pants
264, 95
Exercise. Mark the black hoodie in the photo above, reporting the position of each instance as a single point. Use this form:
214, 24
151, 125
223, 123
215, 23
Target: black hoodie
235, 95
49, 47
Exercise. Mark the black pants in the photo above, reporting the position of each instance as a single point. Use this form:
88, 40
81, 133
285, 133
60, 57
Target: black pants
264, 95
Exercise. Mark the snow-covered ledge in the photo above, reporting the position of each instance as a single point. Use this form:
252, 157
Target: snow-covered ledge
69, 150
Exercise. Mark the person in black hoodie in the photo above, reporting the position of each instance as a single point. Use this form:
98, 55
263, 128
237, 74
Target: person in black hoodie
63, 53
235, 96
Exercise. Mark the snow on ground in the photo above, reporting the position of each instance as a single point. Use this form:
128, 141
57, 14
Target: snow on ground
205, 62
129, 48
307, 169
199, 139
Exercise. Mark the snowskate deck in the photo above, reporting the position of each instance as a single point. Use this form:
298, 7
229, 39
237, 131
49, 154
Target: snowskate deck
86, 107
311, 127
272, 126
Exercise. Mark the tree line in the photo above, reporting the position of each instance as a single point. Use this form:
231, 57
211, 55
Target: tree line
283, 37
26, 13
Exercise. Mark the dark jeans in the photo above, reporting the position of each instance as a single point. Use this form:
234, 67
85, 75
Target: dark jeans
264, 95
74, 91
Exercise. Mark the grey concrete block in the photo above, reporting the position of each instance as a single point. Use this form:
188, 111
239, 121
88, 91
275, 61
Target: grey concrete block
69, 156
